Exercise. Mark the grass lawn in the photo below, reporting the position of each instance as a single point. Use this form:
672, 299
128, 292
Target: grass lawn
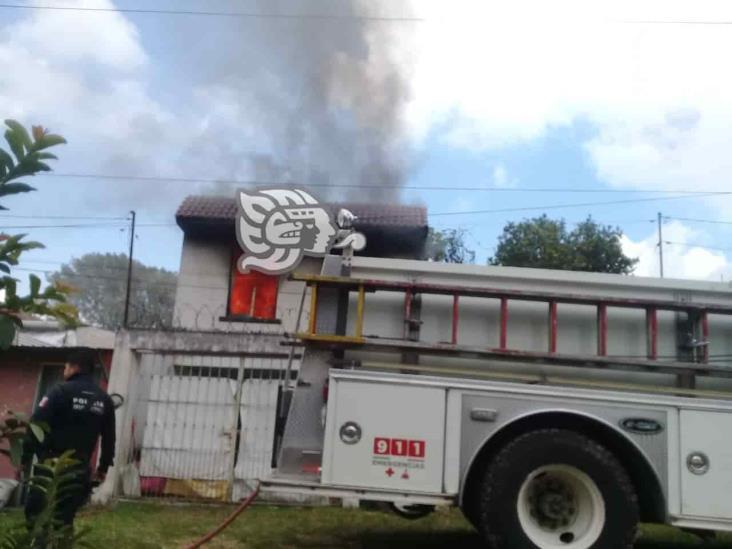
153, 525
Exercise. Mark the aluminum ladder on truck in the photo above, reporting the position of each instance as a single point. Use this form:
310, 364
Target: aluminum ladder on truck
337, 347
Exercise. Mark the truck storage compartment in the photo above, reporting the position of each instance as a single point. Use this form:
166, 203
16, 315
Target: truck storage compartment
384, 436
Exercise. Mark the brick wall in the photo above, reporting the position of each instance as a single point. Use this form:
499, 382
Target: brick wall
20, 372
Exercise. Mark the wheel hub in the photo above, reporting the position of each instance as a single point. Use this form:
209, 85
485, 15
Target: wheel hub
559, 506
553, 503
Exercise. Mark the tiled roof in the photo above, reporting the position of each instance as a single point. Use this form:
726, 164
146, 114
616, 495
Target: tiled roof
224, 209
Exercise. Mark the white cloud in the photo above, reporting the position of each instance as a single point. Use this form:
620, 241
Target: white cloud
501, 177
681, 259
505, 72
107, 39
82, 75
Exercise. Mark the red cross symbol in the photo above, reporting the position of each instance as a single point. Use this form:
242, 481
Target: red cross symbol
389, 472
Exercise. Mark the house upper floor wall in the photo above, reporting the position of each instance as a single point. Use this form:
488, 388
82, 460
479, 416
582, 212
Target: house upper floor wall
204, 285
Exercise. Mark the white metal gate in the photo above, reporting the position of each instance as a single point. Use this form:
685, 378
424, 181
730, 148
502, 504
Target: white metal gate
203, 425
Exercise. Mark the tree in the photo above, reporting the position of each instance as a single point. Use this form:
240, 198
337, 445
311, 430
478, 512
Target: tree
448, 246
545, 243
101, 280
27, 159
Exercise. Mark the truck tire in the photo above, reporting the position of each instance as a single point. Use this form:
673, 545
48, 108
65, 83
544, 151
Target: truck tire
555, 488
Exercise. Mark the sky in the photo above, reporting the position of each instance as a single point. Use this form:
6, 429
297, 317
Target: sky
507, 110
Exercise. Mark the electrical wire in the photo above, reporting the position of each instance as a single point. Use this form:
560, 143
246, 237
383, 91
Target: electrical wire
68, 226
234, 14
254, 182
580, 204
312, 16
686, 245
123, 278
87, 226
695, 220
5, 216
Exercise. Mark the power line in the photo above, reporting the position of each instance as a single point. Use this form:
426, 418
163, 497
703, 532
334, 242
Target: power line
87, 226
70, 226
580, 204
686, 245
4, 216
673, 22
239, 14
699, 220
312, 16
121, 279
254, 182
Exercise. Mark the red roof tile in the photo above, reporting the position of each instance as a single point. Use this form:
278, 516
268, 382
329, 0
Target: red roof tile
224, 209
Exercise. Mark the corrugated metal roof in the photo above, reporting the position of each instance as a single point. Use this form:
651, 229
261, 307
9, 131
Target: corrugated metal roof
23, 339
224, 209
48, 335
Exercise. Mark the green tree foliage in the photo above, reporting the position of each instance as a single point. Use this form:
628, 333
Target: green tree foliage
448, 246
57, 480
13, 429
546, 243
101, 281
27, 157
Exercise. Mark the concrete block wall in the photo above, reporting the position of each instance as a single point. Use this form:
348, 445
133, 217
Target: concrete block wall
203, 290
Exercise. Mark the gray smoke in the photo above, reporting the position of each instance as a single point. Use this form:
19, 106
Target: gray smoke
303, 100
311, 101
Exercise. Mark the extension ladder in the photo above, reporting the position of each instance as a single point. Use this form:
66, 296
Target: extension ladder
696, 362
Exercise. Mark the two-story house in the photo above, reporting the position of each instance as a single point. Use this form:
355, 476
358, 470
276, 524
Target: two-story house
202, 398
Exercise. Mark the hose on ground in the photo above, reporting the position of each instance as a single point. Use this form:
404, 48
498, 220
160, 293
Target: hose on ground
216, 531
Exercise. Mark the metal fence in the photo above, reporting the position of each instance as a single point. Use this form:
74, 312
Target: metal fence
203, 426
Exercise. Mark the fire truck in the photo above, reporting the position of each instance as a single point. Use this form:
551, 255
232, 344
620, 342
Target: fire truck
555, 409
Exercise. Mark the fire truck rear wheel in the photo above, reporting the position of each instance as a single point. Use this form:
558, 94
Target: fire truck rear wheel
555, 488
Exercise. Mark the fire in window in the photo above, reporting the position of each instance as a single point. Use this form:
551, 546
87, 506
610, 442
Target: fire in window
253, 294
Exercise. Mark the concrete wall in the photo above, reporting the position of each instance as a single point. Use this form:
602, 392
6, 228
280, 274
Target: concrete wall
203, 290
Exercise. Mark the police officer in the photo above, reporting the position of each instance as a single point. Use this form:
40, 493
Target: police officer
77, 412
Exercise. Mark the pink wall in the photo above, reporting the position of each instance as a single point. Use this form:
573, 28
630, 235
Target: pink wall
20, 372
18, 382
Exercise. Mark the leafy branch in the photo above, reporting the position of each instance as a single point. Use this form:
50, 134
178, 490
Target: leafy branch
27, 157
57, 479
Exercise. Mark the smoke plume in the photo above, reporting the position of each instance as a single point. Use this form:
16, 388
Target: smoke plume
311, 101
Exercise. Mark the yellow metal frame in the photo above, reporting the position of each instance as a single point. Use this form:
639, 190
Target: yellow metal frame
312, 333
313, 321
360, 311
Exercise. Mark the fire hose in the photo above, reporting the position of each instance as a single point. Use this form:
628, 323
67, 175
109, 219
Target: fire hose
216, 531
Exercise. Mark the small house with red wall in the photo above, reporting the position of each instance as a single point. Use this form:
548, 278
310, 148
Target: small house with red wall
34, 363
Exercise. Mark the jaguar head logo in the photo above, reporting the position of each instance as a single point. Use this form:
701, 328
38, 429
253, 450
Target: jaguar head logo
276, 228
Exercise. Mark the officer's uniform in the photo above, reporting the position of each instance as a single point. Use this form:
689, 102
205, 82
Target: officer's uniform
77, 412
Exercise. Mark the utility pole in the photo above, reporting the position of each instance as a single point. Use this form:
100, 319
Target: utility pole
660, 243
129, 270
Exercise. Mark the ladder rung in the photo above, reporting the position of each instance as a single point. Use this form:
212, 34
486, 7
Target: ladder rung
360, 310
312, 325
602, 329
704, 321
455, 318
652, 333
408, 296
503, 337
552, 326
